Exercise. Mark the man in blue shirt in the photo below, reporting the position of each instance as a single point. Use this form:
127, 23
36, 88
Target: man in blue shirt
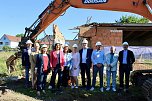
111, 61
98, 60
126, 59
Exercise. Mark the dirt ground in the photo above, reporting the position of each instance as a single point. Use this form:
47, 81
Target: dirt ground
10, 95
15, 91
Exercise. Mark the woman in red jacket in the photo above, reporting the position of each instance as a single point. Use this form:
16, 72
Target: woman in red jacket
57, 65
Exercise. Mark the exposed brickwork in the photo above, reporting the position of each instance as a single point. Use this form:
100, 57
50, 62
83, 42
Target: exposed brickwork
107, 36
58, 36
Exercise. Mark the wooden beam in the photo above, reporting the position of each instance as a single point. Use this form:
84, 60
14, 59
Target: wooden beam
138, 35
128, 34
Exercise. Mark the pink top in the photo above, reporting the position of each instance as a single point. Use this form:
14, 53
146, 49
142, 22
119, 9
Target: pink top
46, 60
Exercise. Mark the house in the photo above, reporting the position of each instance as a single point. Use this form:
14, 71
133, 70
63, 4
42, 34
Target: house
110, 34
48, 40
8, 40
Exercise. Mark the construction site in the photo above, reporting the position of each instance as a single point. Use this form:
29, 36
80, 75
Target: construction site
138, 35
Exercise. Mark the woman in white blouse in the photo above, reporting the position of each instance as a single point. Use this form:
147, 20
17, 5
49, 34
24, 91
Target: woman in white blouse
74, 71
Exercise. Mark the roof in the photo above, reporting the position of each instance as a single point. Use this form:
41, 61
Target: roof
118, 24
136, 34
47, 43
13, 38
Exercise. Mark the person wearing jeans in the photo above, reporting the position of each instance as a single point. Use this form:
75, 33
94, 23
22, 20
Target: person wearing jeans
26, 61
111, 61
98, 60
42, 69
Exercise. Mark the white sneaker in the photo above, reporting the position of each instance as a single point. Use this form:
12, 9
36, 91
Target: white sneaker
92, 88
114, 89
108, 88
76, 87
50, 87
101, 89
38, 93
72, 87
44, 91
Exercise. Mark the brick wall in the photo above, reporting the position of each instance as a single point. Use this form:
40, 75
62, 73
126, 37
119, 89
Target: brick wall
107, 36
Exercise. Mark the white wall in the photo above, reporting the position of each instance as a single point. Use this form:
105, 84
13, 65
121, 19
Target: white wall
14, 44
4, 39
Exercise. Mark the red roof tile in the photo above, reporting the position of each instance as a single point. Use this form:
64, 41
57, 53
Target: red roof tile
13, 38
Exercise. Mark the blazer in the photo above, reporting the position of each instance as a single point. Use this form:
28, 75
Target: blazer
25, 58
114, 62
130, 59
54, 59
88, 57
40, 62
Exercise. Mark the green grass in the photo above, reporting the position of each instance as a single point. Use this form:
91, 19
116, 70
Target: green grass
3, 68
68, 94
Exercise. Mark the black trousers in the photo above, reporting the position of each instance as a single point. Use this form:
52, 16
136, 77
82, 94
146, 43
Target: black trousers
56, 70
85, 70
124, 70
65, 77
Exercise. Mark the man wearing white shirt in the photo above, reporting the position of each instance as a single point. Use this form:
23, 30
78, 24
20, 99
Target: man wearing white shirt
126, 59
85, 64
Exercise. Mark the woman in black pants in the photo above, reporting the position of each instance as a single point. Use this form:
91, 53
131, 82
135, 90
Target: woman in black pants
67, 65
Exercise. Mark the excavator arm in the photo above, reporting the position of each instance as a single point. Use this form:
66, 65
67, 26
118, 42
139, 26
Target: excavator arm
57, 7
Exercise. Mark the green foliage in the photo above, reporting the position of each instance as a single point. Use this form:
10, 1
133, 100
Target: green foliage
6, 48
132, 19
20, 35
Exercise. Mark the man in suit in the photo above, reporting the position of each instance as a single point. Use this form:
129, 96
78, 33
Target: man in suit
126, 59
85, 63
26, 61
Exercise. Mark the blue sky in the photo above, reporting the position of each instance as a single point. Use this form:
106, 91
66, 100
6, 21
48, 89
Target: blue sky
15, 15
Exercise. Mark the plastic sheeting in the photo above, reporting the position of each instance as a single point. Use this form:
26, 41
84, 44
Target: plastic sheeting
143, 55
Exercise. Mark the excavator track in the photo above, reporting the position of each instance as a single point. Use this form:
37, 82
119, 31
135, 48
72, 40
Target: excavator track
147, 89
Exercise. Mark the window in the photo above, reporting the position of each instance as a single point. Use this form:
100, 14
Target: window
4, 38
1, 43
6, 43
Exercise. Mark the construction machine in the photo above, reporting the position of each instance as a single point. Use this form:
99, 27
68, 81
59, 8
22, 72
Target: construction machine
58, 7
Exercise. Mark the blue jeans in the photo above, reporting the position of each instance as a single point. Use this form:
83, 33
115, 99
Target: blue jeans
27, 75
41, 81
113, 78
95, 71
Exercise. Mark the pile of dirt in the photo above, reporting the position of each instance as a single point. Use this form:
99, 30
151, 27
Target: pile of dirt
10, 95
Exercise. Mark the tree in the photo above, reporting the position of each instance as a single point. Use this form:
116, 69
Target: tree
132, 19
20, 35
6, 48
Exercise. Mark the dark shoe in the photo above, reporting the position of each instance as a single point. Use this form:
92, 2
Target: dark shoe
87, 88
126, 90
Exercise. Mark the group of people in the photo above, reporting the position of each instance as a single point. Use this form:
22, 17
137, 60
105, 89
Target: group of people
69, 64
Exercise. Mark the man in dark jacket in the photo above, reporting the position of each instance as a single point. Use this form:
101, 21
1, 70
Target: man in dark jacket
26, 61
126, 59
85, 63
